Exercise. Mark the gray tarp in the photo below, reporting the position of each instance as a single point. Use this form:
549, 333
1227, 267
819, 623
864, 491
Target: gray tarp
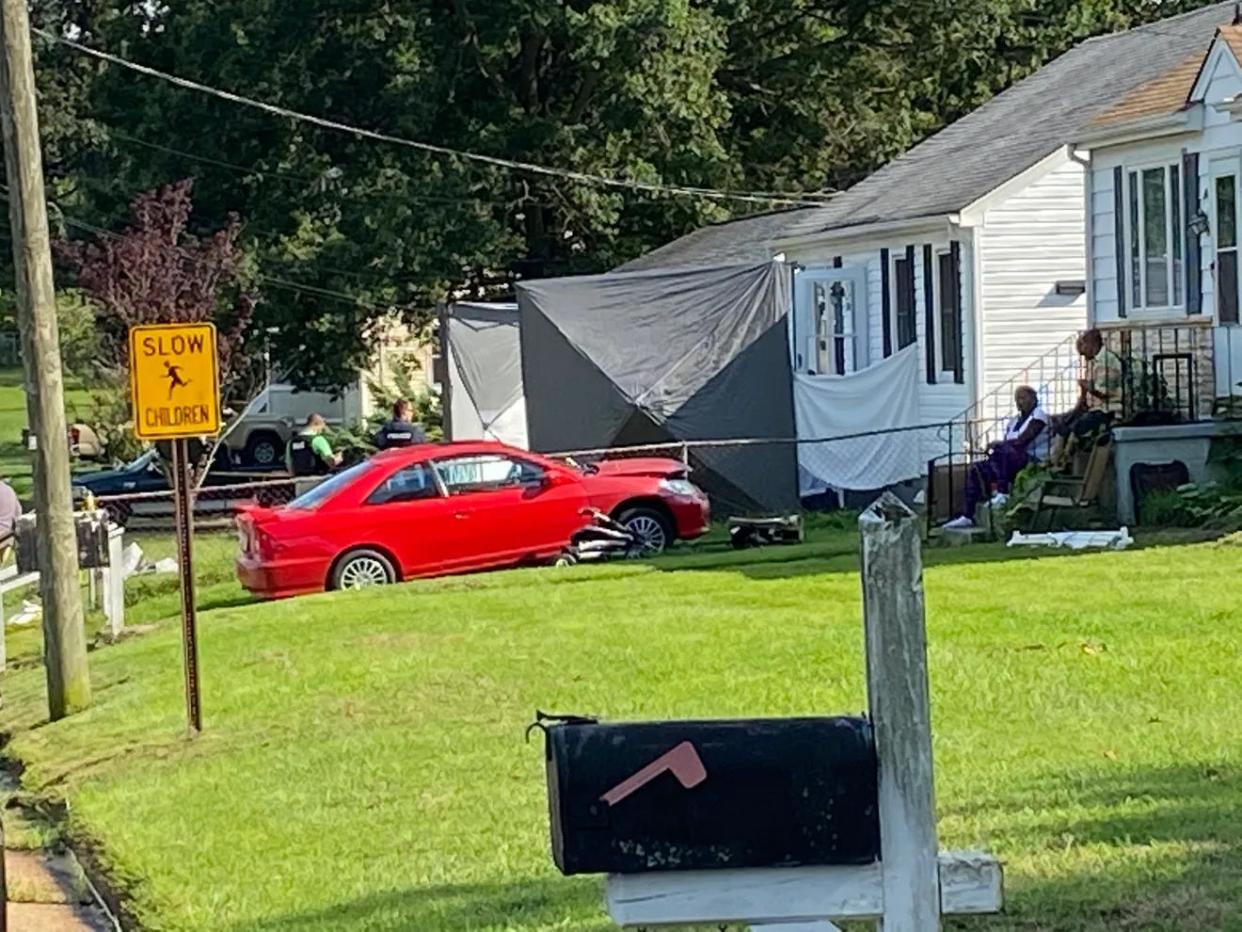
485, 373
667, 355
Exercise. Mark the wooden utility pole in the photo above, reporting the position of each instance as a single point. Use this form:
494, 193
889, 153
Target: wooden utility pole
64, 634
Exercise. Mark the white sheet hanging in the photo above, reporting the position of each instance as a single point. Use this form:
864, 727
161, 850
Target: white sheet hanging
880, 397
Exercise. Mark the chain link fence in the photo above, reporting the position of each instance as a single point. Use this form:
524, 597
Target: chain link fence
849, 470
832, 472
215, 506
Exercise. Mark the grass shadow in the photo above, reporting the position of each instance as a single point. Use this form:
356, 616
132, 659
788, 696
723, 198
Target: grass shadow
530, 904
1138, 849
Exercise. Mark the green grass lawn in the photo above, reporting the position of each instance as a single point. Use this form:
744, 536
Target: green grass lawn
15, 466
363, 764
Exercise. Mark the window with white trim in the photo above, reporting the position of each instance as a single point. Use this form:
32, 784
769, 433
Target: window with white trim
1155, 238
904, 301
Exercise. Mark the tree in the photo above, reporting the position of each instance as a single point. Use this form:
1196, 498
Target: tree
785, 95
156, 271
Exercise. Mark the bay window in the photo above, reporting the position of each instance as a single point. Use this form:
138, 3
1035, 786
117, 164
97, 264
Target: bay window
1155, 238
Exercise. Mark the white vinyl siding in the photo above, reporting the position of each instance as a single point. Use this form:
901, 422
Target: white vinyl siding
1103, 246
1031, 241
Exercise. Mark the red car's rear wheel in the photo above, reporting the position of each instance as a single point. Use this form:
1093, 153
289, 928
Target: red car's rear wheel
362, 569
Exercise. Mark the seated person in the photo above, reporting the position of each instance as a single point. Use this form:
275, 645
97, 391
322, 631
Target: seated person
1026, 440
1099, 394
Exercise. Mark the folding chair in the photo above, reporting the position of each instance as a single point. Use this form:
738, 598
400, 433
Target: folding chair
1059, 493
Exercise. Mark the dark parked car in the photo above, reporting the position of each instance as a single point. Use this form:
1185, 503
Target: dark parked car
146, 474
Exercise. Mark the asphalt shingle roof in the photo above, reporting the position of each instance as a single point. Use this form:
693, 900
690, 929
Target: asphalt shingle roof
964, 161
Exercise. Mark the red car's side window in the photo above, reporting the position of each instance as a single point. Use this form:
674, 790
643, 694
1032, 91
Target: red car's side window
406, 485
463, 475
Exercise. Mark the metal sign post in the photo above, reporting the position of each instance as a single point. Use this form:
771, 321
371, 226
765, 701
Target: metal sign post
175, 384
183, 496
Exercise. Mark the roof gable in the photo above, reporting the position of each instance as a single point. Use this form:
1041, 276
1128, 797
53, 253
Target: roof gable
1013, 131
1168, 93
1226, 52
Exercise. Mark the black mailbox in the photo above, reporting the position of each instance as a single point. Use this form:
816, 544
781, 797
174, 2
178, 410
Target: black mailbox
92, 532
661, 796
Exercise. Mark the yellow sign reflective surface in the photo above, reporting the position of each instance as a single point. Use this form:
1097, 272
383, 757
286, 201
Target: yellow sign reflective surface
174, 380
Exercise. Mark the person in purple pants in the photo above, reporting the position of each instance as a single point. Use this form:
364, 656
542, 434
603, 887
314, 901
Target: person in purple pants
1026, 440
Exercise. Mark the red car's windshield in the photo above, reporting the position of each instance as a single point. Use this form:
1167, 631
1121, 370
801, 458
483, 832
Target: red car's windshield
313, 498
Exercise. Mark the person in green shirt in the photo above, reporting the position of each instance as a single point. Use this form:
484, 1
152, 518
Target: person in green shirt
1100, 395
309, 453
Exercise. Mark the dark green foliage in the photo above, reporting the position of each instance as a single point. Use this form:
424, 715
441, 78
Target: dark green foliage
784, 95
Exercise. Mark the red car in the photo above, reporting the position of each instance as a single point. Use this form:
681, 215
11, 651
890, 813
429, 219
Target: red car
438, 509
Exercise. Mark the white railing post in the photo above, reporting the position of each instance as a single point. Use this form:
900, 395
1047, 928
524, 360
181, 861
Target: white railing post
114, 583
898, 696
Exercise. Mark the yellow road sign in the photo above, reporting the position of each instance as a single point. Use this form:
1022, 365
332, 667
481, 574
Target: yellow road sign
174, 380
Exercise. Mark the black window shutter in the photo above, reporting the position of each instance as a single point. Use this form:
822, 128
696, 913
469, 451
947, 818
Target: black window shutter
929, 315
959, 367
1119, 237
1190, 200
886, 304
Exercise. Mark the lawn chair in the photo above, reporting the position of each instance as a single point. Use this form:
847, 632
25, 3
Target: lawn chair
1060, 493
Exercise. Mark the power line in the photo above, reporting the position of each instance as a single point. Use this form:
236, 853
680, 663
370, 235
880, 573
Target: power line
116, 135
759, 197
300, 288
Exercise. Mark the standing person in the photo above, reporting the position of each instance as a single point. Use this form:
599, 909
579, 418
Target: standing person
1099, 393
10, 511
400, 431
309, 453
1026, 440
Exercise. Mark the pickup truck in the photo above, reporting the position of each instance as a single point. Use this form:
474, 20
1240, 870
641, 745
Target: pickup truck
260, 437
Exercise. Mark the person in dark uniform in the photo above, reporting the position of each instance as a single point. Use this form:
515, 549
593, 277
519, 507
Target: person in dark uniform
400, 431
309, 453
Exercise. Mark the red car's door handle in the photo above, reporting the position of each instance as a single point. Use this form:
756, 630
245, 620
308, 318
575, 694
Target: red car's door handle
462, 515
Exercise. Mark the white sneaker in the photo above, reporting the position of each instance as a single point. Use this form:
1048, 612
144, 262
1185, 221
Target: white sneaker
958, 524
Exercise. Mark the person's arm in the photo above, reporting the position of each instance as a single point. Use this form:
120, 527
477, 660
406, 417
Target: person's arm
1106, 377
321, 448
381, 437
1029, 433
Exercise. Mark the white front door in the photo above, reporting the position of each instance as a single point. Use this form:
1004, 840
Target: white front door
829, 331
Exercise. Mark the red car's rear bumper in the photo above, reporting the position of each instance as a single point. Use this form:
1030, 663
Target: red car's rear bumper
278, 579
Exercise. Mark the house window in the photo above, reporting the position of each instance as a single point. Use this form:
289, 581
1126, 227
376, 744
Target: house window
1226, 249
903, 276
950, 316
1156, 240
834, 327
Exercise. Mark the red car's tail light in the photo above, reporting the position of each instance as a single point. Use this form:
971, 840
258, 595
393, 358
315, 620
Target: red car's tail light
265, 544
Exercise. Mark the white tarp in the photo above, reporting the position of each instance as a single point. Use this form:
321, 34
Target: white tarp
486, 401
880, 397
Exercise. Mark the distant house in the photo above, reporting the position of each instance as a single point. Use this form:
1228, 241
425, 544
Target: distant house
1164, 192
974, 244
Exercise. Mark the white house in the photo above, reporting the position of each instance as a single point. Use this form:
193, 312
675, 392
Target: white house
1164, 189
974, 244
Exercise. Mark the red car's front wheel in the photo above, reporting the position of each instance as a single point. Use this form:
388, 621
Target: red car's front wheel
653, 529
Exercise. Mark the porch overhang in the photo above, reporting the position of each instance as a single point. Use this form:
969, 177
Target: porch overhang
867, 231
1158, 126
